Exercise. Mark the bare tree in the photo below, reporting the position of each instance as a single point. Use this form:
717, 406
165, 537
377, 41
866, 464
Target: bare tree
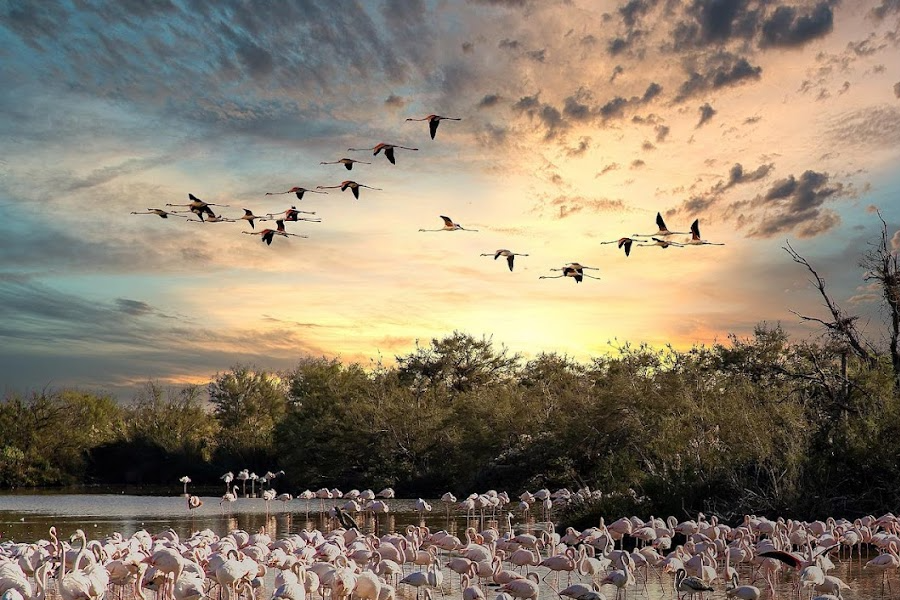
882, 266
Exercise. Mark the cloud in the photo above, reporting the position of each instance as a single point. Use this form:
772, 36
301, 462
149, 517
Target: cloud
583, 145
135, 308
537, 55
614, 108
489, 100
719, 70
787, 27
395, 101
566, 206
638, 163
706, 113
885, 8
876, 126
897, 90
796, 204
618, 70
508, 44
647, 146
607, 169
662, 132
653, 90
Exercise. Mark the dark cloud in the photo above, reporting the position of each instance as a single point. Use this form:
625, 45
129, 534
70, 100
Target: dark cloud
489, 101
617, 46
638, 163
752, 120
508, 44
707, 112
574, 109
787, 27
662, 132
633, 10
527, 103
394, 101
614, 108
537, 55
503, 3
588, 40
721, 69
738, 175
135, 308
647, 146
618, 70
653, 90
468, 47
796, 204
885, 8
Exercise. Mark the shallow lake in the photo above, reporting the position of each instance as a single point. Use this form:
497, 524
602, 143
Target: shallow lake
28, 517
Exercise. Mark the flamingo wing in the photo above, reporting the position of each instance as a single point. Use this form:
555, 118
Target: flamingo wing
660, 223
785, 557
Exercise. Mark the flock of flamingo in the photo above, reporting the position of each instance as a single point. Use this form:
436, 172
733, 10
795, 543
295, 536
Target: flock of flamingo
205, 214
344, 562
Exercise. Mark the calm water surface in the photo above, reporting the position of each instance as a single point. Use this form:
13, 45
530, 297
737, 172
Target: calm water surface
28, 518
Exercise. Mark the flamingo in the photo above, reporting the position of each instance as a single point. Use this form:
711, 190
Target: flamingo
159, 212
229, 496
198, 206
422, 507
354, 187
663, 230
662, 243
299, 191
574, 270
696, 240
510, 256
347, 162
268, 234
249, 217
580, 591
449, 225
528, 587
623, 242
621, 578
741, 592
690, 585
434, 121
284, 498
291, 214
194, 502
185, 480
388, 150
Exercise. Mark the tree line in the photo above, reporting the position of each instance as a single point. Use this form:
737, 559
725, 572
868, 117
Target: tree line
761, 424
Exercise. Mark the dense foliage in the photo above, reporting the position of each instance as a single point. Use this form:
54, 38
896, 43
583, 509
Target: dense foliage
761, 424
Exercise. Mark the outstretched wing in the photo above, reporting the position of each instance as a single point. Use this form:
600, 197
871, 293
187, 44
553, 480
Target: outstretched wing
433, 125
660, 223
785, 557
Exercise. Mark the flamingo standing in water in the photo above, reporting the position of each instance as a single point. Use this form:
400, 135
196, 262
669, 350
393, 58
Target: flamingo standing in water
663, 230
388, 150
434, 121
573, 270
185, 480
229, 496
347, 162
510, 256
449, 225
354, 187
296, 190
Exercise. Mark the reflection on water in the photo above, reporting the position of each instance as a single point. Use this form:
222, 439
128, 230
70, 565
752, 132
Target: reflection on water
28, 518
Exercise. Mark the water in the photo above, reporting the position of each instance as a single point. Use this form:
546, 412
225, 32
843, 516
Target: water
27, 518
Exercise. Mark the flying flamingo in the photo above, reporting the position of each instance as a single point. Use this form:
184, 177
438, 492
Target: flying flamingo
695, 236
249, 217
354, 187
663, 230
159, 212
574, 270
210, 218
296, 190
291, 214
388, 150
198, 206
510, 256
449, 225
662, 243
347, 162
434, 121
624, 242
268, 234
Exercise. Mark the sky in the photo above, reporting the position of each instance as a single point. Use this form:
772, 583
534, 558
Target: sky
771, 122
